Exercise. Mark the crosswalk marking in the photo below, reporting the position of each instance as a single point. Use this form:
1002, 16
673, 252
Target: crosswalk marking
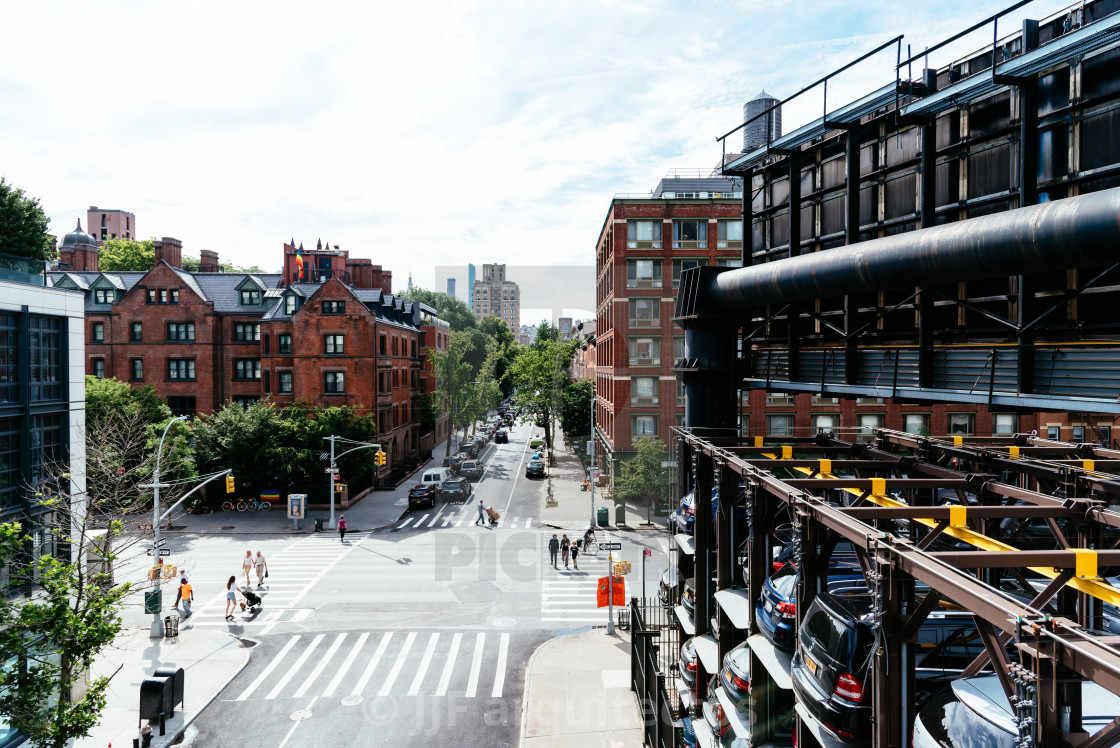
346, 665
445, 679
423, 669
500, 670
294, 668
361, 684
476, 665
321, 666
268, 670
388, 685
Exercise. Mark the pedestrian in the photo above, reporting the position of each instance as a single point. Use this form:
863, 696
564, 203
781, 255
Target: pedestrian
231, 598
179, 592
565, 548
481, 514
262, 568
342, 529
247, 565
575, 554
186, 594
553, 549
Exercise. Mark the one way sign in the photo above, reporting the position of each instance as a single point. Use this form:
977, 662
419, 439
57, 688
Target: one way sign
162, 551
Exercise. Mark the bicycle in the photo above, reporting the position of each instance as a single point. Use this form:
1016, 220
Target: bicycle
253, 505
228, 506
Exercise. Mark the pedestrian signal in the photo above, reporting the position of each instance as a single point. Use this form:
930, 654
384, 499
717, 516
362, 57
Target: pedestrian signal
230, 485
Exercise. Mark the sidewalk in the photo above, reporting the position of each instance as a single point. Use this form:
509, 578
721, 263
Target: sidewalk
376, 510
577, 692
573, 506
210, 660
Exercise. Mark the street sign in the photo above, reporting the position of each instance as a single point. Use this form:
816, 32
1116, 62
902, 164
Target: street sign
145, 527
648, 553
330, 470
162, 551
610, 546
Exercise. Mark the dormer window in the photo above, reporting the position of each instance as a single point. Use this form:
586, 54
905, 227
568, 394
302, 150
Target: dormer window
104, 295
250, 298
291, 304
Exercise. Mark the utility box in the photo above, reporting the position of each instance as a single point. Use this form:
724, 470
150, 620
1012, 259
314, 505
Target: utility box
178, 682
157, 698
619, 514
603, 516
318, 524
153, 601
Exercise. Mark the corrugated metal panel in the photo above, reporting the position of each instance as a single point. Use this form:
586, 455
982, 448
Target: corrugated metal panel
970, 369
877, 368
771, 364
823, 365
1078, 372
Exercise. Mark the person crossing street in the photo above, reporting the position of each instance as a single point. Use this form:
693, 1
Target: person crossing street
481, 514
342, 529
553, 549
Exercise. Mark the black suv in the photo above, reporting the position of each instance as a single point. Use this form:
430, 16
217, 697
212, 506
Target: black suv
422, 494
832, 666
501, 436
457, 490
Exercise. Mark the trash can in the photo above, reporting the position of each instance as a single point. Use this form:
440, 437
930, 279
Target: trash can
153, 601
619, 514
171, 626
603, 516
624, 618
319, 524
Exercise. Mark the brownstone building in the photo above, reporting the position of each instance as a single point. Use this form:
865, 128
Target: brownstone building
338, 337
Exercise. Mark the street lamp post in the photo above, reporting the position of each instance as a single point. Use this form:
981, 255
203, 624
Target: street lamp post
157, 627
334, 466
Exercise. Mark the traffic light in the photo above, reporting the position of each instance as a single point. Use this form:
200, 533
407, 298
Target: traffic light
230, 484
379, 458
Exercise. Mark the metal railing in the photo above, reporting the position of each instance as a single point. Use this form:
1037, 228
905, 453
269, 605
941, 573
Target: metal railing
653, 650
25, 270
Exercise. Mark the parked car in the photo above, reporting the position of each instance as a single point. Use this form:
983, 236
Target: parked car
472, 469
776, 608
422, 495
536, 441
685, 516
975, 712
735, 680
688, 599
688, 663
470, 448
501, 436
669, 589
534, 469
452, 462
457, 489
831, 666
715, 716
735, 677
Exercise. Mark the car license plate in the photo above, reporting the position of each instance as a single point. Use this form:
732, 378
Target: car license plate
769, 606
811, 664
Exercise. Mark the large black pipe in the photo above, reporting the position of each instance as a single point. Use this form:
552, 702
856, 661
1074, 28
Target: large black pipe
1074, 232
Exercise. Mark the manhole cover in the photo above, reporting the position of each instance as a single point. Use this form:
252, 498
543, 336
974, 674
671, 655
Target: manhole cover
301, 715
352, 699
504, 623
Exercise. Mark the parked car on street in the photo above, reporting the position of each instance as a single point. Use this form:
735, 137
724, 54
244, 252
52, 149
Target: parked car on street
452, 462
470, 448
501, 436
422, 495
472, 469
534, 469
457, 490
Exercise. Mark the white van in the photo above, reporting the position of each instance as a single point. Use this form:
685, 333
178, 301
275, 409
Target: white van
435, 475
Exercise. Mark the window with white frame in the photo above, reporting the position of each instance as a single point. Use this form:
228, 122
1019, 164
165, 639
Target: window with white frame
645, 351
678, 348
1078, 434
690, 234
645, 312
643, 426
641, 234
825, 423
916, 423
778, 398
643, 273
868, 422
643, 387
729, 231
1054, 433
779, 425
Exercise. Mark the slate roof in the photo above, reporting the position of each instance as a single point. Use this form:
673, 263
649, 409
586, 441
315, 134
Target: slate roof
221, 288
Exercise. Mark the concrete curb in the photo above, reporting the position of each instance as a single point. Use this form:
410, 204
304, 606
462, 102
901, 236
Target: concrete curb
160, 741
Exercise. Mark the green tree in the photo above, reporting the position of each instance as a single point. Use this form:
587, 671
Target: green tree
575, 408
245, 440
450, 309
126, 254
644, 478
454, 377
508, 348
302, 440
539, 375
23, 224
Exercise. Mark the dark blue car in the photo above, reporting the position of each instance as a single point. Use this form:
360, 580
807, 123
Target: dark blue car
776, 609
684, 519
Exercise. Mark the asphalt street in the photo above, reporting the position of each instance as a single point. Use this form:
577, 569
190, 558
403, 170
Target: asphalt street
412, 635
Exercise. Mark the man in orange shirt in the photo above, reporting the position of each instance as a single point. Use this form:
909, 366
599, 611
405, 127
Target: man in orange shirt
187, 596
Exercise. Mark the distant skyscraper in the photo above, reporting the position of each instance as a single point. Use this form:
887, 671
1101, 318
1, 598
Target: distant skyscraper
494, 296
470, 286
451, 287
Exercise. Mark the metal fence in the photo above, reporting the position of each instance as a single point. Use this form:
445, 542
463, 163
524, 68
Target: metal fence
655, 648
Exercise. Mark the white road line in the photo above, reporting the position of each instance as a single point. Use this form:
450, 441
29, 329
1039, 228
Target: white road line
404, 524
295, 668
423, 669
528, 522
346, 665
500, 671
323, 661
268, 670
517, 473
420, 521
387, 686
433, 522
368, 673
476, 666
452, 653
446, 521
320, 575
460, 522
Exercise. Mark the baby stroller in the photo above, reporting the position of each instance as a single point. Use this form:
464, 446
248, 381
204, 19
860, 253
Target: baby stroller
252, 600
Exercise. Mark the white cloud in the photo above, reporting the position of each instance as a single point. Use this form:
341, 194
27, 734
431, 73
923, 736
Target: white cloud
418, 133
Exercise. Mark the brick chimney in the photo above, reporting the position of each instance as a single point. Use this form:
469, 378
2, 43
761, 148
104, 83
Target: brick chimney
382, 279
360, 271
170, 251
207, 261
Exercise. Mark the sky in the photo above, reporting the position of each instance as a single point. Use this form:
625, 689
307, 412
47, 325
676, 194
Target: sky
420, 133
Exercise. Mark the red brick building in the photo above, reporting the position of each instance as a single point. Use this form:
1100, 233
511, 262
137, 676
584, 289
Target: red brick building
338, 337
435, 335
